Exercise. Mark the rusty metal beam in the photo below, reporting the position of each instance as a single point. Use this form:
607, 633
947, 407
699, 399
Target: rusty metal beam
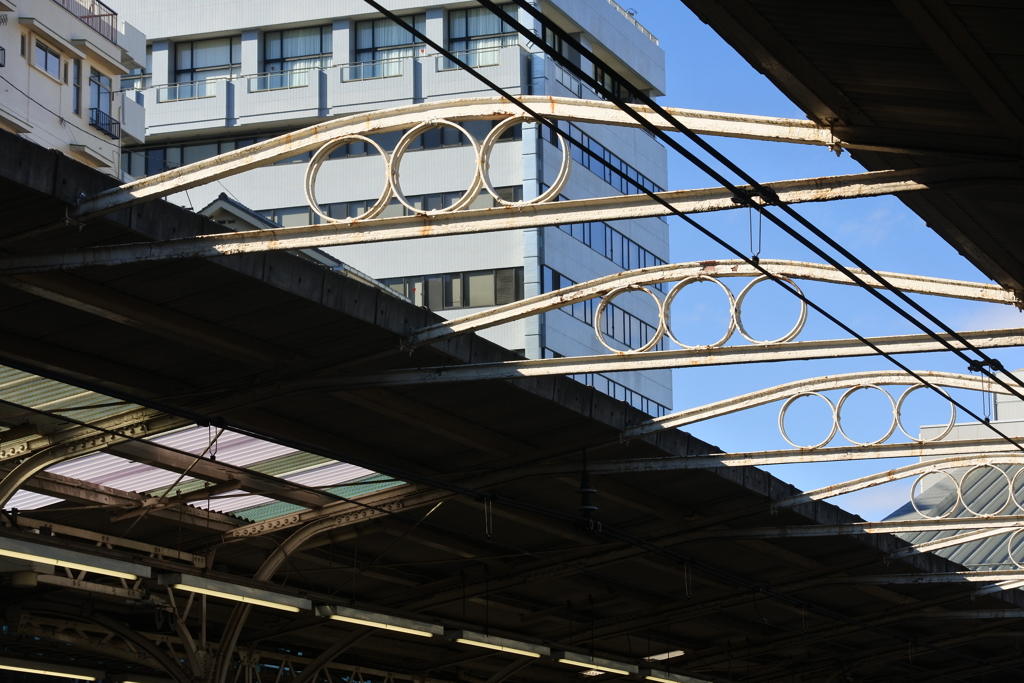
504, 218
655, 360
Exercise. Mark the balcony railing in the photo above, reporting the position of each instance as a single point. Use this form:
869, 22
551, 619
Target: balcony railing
103, 121
629, 17
364, 71
191, 90
95, 15
488, 56
278, 80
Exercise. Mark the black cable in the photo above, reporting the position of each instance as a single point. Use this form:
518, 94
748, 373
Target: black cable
755, 264
767, 195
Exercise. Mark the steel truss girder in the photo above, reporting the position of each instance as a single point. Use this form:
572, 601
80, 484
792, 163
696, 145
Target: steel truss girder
498, 219
659, 360
1003, 524
726, 268
815, 384
456, 110
949, 449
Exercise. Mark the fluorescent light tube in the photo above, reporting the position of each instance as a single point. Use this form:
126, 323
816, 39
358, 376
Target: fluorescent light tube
20, 549
231, 591
495, 643
665, 677
48, 669
377, 620
588, 662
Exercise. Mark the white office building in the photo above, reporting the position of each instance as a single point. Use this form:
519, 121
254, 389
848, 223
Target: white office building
61, 62
223, 75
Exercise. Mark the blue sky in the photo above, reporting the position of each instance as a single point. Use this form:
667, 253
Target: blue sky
706, 73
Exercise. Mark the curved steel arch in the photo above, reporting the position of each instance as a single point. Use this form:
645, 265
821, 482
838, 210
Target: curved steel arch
797, 270
456, 110
826, 383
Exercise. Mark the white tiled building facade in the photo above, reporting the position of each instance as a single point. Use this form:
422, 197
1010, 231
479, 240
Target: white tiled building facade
60, 67
223, 75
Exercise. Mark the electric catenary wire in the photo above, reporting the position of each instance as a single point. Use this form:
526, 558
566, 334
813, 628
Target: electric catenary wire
755, 264
767, 195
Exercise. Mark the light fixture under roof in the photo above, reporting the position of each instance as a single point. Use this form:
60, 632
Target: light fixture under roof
387, 622
21, 549
495, 643
666, 677
48, 669
671, 654
232, 591
599, 663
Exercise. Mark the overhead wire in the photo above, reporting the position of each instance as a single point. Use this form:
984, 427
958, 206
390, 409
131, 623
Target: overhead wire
673, 210
768, 195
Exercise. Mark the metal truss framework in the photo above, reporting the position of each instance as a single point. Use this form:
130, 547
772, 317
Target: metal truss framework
540, 211
322, 514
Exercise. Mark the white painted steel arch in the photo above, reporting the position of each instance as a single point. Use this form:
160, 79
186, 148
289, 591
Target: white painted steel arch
455, 110
794, 270
814, 384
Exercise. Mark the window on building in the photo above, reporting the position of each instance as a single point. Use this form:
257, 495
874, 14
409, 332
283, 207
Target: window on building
385, 42
22, 44
99, 91
205, 60
298, 49
472, 289
138, 79
479, 33
48, 59
613, 86
563, 48
76, 86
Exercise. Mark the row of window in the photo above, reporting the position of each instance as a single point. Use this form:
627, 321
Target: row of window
628, 181
612, 388
48, 59
302, 215
471, 289
139, 163
610, 243
313, 47
617, 324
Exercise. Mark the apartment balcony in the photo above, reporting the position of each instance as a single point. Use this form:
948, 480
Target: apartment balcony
133, 118
303, 97
196, 105
102, 121
95, 15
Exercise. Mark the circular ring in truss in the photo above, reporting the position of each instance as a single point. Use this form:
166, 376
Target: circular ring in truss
956, 487
666, 315
1009, 548
599, 317
782, 420
949, 425
839, 414
403, 145
484, 163
1013, 490
738, 319
1009, 491
313, 169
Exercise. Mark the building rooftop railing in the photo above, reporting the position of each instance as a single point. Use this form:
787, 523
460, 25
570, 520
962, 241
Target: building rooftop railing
95, 15
632, 20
